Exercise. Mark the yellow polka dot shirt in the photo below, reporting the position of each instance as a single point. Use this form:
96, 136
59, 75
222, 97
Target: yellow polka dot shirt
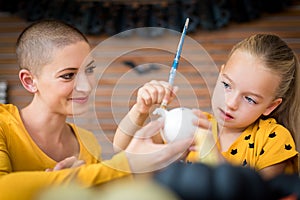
262, 144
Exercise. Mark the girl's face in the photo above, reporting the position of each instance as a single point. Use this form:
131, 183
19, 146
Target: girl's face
245, 90
64, 85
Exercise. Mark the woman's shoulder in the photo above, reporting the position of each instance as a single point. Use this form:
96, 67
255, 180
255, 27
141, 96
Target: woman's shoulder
8, 108
87, 139
8, 112
79, 131
85, 136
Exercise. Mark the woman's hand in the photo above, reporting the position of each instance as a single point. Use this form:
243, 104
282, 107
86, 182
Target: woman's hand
145, 156
70, 162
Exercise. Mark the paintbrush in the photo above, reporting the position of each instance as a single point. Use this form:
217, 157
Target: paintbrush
172, 73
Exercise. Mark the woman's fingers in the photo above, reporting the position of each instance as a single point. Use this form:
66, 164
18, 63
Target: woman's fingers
148, 131
69, 162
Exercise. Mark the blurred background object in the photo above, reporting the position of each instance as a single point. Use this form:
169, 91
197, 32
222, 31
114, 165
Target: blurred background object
112, 17
3, 88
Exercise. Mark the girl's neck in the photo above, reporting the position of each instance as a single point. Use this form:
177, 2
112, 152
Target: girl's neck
227, 136
230, 131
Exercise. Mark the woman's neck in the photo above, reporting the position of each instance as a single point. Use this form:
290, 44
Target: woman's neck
41, 123
50, 132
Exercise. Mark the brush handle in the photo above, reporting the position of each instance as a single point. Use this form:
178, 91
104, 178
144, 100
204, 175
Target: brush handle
180, 44
172, 73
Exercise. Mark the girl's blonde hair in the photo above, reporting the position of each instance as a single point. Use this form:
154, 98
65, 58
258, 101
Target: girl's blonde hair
281, 59
37, 44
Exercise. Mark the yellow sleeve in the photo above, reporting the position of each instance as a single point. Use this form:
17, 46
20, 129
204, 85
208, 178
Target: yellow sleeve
278, 147
26, 185
5, 164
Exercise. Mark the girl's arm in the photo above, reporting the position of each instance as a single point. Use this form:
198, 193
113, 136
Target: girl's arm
152, 93
132, 122
273, 170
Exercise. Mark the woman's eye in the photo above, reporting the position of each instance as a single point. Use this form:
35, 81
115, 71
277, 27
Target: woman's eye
250, 100
68, 76
90, 69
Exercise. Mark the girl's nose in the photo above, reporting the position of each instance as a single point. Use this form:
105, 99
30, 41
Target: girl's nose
231, 100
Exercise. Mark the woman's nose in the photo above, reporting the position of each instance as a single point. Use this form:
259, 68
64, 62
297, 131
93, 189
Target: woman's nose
82, 83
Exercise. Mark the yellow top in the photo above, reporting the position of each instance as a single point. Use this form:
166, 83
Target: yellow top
22, 162
262, 144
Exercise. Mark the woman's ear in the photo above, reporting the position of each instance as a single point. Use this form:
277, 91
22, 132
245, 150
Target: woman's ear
27, 80
272, 106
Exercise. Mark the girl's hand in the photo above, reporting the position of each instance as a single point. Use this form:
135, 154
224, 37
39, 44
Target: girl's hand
202, 121
206, 143
154, 92
70, 162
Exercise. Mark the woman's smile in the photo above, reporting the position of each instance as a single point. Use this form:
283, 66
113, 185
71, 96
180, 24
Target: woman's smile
79, 100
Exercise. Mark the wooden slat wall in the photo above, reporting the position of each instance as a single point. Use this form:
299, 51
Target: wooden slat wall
117, 86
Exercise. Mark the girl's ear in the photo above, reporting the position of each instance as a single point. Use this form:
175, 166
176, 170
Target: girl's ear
272, 106
27, 80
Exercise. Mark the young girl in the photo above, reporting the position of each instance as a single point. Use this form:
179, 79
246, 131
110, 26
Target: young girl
255, 106
36, 142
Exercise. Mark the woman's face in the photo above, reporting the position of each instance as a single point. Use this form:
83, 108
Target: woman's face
245, 90
64, 85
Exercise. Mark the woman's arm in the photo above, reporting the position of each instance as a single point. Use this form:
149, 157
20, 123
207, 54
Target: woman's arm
27, 185
141, 155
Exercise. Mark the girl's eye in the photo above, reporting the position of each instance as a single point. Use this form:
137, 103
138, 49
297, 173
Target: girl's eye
90, 69
250, 100
226, 85
68, 76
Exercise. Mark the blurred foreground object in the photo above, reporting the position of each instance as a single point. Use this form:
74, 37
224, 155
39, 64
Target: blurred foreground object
120, 189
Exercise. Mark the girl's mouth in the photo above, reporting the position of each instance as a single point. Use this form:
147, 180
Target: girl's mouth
225, 115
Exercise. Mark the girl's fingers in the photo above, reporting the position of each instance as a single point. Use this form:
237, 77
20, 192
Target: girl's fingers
202, 120
144, 97
155, 92
199, 113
